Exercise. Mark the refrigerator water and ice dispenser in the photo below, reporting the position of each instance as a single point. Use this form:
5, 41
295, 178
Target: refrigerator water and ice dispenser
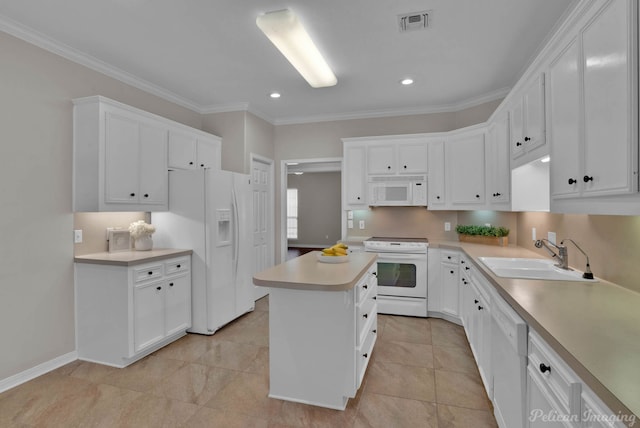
223, 217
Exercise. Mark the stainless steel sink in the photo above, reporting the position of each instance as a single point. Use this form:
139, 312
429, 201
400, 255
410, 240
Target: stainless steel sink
531, 269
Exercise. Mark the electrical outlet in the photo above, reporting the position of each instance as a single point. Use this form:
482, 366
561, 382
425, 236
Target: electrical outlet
361, 224
350, 224
488, 224
533, 234
551, 236
447, 226
77, 236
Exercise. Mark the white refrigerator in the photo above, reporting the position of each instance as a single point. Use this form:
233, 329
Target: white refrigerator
210, 212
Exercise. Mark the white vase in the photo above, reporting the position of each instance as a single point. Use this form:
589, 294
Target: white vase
143, 243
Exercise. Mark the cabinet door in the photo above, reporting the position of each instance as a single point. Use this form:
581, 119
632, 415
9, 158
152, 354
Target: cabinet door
177, 304
381, 159
533, 105
121, 159
182, 150
153, 165
498, 161
465, 170
148, 315
449, 275
539, 406
610, 99
516, 115
208, 154
564, 122
436, 175
412, 158
354, 176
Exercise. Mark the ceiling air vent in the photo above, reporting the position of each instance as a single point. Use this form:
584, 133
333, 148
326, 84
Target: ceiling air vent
414, 21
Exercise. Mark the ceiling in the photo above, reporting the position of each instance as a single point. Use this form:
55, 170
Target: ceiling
210, 56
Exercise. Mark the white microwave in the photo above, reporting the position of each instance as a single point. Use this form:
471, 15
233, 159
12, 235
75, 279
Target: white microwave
395, 190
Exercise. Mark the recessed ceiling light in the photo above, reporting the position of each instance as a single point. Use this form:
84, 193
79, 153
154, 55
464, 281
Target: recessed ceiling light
407, 81
274, 95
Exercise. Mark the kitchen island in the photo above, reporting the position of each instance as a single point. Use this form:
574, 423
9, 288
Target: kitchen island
322, 327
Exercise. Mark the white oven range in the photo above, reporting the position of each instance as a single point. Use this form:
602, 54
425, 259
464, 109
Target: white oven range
402, 274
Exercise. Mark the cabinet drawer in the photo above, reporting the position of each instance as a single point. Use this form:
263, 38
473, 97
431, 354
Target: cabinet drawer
176, 266
148, 272
554, 374
365, 287
363, 352
449, 256
364, 313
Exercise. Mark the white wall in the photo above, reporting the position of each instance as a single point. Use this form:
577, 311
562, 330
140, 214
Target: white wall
36, 221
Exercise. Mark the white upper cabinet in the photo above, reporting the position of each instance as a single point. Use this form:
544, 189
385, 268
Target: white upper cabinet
354, 177
593, 109
498, 162
528, 121
389, 157
437, 196
191, 150
464, 168
120, 159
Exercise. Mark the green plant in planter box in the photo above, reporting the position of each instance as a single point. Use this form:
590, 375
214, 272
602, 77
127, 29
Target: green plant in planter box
482, 230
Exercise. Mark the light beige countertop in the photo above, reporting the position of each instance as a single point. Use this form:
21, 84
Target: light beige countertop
595, 327
131, 258
307, 273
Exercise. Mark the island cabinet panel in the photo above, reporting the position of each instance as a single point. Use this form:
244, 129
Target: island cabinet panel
320, 342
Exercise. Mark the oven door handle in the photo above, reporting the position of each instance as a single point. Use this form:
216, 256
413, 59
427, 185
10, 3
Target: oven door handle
403, 256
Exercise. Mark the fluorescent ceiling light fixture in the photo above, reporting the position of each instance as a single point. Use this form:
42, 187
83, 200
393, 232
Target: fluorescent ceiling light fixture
545, 159
287, 33
407, 81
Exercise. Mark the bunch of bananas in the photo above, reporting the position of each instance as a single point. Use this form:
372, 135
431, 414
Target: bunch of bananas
339, 249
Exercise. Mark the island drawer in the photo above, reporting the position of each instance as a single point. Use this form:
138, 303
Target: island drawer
365, 286
364, 312
363, 352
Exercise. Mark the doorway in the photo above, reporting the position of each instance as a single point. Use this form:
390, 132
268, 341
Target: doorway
313, 188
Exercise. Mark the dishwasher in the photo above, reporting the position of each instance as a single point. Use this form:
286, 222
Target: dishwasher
509, 360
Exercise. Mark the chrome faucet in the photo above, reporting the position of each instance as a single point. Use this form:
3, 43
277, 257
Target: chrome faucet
587, 272
562, 255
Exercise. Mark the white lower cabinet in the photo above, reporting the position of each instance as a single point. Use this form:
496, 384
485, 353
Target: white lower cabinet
450, 283
320, 342
553, 390
125, 313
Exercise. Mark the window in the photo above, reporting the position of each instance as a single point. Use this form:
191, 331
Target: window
292, 213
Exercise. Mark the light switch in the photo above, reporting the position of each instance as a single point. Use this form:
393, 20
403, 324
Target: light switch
77, 236
447, 226
350, 224
551, 236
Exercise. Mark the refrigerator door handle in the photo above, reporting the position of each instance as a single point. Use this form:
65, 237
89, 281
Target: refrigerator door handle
236, 233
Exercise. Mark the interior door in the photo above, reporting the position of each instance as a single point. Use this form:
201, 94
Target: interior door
262, 189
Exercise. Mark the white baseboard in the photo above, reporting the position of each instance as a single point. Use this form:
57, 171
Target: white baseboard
39, 370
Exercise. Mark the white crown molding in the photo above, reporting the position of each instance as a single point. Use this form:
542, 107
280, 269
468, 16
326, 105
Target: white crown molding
444, 108
36, 38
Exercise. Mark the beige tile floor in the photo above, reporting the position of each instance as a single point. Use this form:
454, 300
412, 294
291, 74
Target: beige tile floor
422, 374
